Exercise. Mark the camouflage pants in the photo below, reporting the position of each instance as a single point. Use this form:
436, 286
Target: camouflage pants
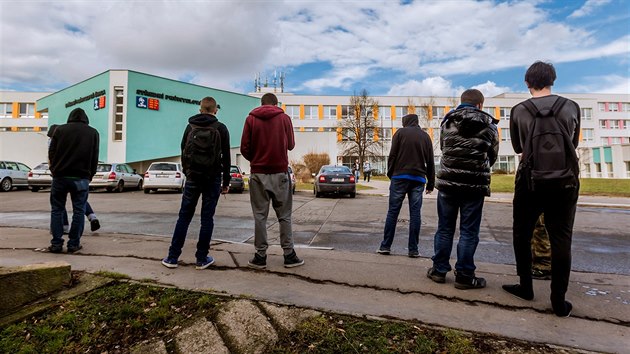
541, 248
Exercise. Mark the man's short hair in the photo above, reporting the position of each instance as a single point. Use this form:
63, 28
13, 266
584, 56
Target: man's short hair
472, 96
208, 105
540, 75
269, 99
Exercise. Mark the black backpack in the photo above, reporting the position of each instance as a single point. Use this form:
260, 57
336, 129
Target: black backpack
549, 157
201, 157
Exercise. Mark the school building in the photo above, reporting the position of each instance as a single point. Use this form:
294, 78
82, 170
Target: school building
141, 118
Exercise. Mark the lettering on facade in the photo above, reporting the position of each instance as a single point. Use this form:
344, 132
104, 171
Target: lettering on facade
166, 97
85, 98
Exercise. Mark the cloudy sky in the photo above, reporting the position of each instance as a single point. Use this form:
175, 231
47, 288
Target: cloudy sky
323, 47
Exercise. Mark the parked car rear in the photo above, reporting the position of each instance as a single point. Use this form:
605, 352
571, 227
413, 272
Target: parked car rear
335, 179
116, 177
39, 177
164, 175
237, 184
13, 174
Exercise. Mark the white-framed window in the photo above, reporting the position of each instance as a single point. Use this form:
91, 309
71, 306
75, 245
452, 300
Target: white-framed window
330, 112
609, 170
587, 170
616, 140
625, 107
438, 112
402, 111
505, 134
623, 124
505, 163
588, 135
504, 113
346, 112
627, 168
119, 97
385, 112
6, 109
604, 141
292, 111
27, 110
586, 113
614, 124
601, 106
602, 124
598, 170
422, 111
385, 134
489, 110
310, 112
613, 107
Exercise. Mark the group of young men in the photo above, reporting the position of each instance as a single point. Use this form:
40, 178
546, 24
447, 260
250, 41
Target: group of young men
469, 144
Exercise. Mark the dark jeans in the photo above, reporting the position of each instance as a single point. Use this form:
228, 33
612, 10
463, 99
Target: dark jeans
470, 209
209, 191
78, 189
366, 175
559, 206
88, 211
398, 188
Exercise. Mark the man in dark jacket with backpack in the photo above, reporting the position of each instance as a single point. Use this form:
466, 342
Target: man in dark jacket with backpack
206, 162
470, 146
547, 181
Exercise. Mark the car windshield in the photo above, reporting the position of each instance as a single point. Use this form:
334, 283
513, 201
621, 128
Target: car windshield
41, 166
336, 169
103, 168
234, 169
163, 167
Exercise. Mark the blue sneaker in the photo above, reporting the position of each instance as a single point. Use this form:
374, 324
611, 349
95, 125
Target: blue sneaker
205, 264
169, 262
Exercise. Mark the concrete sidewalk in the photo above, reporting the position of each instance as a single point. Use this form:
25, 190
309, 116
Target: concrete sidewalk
360, 284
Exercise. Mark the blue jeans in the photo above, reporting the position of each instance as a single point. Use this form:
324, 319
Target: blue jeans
88, 212
448, 207
398, 188
78, 189
209, 191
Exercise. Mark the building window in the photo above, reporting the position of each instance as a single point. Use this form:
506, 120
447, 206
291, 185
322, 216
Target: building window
601, 106
385, 112
489, 110
616, 140
587, 135
6, 110
504, 113
598, 170
438, 112
402, 111
119, 96
310, 112
613, 107
422, 112
27, 110
625, 107
293, 111
628, 169
587, 170
385, 134
613, 124
602, 124
330, 112
505, 163
505, 134
623, 124
587, 113
609, 170
346, 112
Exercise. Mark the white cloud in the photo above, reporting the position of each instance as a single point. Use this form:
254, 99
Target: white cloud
588, 7
490, 89
603, 84
438, 86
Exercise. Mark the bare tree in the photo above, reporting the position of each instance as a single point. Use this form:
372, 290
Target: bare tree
358, 127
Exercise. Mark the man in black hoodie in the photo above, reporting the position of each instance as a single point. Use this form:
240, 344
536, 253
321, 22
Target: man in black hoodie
470, 146
209, 186
73, 156
410, 167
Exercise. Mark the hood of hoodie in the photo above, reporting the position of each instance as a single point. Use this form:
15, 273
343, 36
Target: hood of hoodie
202, 119
469, 120
78, 115
266, 112
410, 120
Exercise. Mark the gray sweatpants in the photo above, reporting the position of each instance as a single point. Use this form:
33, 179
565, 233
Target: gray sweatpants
277, 188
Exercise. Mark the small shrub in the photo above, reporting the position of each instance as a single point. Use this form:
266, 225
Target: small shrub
315, 161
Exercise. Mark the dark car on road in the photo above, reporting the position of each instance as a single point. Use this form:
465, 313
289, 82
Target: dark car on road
333, 179
237, 184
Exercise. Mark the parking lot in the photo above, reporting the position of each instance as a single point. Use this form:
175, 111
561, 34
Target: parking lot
601, 242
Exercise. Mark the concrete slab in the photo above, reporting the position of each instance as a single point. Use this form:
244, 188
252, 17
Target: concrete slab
245, 327
154, 347
288, 318
201, 337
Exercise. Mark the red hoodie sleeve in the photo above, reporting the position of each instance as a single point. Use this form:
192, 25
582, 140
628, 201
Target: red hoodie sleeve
246, 139
290, 134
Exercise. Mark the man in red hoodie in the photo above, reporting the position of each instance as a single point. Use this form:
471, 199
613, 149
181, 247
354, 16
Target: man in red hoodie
267, 136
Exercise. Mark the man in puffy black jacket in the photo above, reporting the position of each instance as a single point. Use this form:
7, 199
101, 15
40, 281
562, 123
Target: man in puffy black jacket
470, 145
411, 168
73, 156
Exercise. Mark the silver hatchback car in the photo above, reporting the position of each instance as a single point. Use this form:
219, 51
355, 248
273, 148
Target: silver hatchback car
13, 174
116, 177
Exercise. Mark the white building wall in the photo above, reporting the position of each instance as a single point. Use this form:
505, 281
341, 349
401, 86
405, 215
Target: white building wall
29, 148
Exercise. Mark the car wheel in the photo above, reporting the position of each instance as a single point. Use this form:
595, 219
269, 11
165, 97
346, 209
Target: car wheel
147, 191
109, 189
120, 187
140, 185
6, 184
352, 195
34, 189
317, 194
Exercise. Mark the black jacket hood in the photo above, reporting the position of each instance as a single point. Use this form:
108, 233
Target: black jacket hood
202, 119
410, 120
469, 120
78, 115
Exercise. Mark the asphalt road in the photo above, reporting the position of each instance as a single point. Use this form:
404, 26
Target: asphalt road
601, 240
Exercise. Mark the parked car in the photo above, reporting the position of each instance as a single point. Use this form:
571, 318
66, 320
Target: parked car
13, 174
237, 184
335, 179
116, 177
293, 180
39, 177
164, 175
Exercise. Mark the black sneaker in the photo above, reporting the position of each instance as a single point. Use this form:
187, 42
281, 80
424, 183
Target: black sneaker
413, 254
55, 249
258, 262
562, 310
519, 291
384, 251
94, 225
436, 276
541, 274
464, 282
74, 249
292, 260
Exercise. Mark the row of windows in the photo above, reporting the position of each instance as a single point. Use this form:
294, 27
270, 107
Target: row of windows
383, 112
23, 129
25, 110
614, 106
614, 124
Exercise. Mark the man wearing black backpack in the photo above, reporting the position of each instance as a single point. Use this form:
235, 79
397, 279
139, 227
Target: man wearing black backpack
206, 162
545, 130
